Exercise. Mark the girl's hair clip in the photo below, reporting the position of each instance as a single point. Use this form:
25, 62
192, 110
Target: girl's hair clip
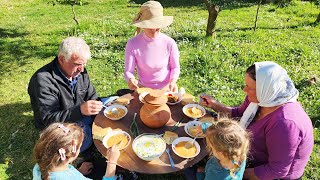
74, 146
235, 162
62, 153
65, 129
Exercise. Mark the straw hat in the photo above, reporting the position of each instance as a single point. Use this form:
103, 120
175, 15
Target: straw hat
151, 16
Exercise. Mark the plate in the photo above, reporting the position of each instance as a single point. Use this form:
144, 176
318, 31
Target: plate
187, 108
148, 146
142, 95
176, 94
179, 150
109, 100
115, 135
122, 111
192, 124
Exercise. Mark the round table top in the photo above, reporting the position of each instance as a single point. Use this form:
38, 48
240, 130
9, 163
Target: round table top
128, 159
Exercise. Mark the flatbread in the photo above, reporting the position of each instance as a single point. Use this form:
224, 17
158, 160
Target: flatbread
169, 137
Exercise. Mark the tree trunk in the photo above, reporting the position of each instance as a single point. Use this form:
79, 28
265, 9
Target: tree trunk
212, 19
255, 22
74, 15
318, 18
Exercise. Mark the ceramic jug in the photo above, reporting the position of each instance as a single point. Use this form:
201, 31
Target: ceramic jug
155, 113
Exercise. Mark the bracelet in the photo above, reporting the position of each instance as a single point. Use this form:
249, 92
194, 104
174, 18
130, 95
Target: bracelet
111, 162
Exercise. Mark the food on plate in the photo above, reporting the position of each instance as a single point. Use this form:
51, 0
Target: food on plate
149, 147
99, 132
181, 150
194, 112
169, 137
115, 113
172, 98
207, 119
194, 130
143, 89
120, 140
122, 101
187, 99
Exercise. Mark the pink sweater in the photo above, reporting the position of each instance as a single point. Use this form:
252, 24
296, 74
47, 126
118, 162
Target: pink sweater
156, 59
281, 142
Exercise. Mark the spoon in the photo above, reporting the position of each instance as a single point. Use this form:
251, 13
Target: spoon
189, 144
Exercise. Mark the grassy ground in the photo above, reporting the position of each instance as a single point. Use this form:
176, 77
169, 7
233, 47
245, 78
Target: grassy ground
31, 30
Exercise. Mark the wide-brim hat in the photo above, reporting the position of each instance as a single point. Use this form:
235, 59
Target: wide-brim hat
151, 16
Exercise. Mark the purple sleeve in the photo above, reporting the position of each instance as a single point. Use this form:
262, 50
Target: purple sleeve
174, 61
238, 111
282, 140
130, 62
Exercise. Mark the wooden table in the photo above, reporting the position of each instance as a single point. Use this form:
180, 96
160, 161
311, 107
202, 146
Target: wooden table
129, 160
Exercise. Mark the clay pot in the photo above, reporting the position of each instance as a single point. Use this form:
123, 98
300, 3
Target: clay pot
155, 113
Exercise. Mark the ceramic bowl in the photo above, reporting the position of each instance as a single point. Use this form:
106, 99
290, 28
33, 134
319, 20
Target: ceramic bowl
148, 146
113, 133
178, 95
122, 111
177, 142
187, 110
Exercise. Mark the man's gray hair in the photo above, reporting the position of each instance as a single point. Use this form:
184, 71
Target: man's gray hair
74, 45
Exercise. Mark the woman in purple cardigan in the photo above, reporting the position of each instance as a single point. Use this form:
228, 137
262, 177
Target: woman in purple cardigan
282, 132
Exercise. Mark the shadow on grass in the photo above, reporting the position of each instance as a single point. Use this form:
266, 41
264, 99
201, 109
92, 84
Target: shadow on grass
16, 48
18, 136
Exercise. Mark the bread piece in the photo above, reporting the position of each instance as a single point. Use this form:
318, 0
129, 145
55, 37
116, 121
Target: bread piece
207, 119
169, 137
99, 132
122, 101
187, 99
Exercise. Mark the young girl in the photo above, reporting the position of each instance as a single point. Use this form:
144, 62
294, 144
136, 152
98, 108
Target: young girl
59, 145
228, 145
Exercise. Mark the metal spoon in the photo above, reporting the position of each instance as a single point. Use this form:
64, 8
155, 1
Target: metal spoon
189, 144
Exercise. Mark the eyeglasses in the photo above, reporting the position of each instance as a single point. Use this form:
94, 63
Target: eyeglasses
79, 65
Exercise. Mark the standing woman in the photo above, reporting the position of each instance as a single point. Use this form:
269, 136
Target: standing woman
154, 54
282, 132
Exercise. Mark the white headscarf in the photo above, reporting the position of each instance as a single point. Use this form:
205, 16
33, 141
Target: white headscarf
273, 87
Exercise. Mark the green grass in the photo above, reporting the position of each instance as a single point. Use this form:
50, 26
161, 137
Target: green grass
31, 30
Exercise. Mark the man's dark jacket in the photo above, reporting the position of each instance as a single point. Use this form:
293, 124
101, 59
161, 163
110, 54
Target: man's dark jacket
52, 100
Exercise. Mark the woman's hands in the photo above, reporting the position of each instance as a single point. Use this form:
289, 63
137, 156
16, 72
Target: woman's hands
133, 84
207, 101
173, 87
210, 102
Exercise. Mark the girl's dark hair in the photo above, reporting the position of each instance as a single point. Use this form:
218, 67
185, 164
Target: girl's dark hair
251, 71
46, 150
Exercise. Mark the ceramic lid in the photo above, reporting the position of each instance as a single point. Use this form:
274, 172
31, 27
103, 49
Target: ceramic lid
156, 97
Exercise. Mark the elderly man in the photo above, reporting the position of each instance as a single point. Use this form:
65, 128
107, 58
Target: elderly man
61, 91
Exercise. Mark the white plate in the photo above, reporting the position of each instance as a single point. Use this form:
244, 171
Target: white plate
175, 94
109, 108
190, 124
184, 109
109, 100
142, 95
148, 146
113, 133
182, 139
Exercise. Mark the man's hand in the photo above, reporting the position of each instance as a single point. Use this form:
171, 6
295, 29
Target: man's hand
133, 84
91, 107
173, 87
86, 168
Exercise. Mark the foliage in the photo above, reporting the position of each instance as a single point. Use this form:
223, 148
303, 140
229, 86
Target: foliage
30, 32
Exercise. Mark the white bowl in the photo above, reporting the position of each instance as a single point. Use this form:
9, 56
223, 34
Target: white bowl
142, 95
190, 124
174, 94
113, 133
186, 107
148, 146
109, 108
182, 139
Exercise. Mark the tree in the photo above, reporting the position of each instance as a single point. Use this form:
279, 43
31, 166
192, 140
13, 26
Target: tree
213, 10
72, 3
258, 8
